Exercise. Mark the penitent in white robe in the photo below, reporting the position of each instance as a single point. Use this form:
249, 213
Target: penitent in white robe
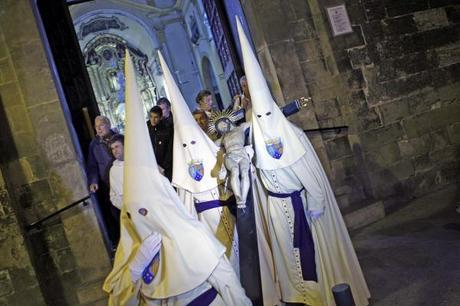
335, 258
219, 220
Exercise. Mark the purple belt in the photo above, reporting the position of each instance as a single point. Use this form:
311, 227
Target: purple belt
202, 206
204, 299
303, 239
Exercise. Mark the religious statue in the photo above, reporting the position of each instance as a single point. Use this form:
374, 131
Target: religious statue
236, 156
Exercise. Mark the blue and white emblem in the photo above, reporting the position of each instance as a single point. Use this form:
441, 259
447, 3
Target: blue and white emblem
196, 170
274, 148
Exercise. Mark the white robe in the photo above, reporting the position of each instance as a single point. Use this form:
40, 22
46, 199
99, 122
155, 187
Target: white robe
116, 183
218, 220
335, 258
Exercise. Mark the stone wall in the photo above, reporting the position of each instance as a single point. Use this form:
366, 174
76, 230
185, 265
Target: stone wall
42, 173
394, 82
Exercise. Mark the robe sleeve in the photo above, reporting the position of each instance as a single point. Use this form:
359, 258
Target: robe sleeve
306, 171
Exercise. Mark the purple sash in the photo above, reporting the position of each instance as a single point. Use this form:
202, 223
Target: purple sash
202, 206
204, 299
303, 239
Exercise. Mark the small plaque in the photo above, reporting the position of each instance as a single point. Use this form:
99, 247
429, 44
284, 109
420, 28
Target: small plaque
339, 20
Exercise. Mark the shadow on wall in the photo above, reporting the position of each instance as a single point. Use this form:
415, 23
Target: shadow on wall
398, 184
22, 202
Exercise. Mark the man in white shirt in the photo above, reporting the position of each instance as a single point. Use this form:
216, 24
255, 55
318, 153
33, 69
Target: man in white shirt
116, 171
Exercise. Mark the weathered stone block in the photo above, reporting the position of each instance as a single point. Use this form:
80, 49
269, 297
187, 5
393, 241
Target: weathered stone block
431, 19
290, 80
359, 57
26, 145
399, 25
439, 37
415, 146
356, 79
342, 168
18, 23
326, 109
448, 154
63, 259
448, 55
91, 292
454, 133
406, 65
350, 40
6, 285
402, 170
453, 14
394, 111
385, 156
374, 10
439, 140
422, 163
373, 140
18, 119
55, 237
397, 8
303, 30
373, 31
308, 50
337, 148
441, 3
356, 13
23, 278
34, 193
365, 216
6, 71
418, 125
30, 296
33, 73
9, 94
273, 12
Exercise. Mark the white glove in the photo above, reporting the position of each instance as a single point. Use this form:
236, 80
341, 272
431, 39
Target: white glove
148, 249
315, 214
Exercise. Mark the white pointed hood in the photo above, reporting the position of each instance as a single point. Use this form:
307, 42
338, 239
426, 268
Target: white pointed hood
150, 204
194, 152
276, 143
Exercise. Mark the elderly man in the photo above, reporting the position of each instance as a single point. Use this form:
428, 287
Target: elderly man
99, 162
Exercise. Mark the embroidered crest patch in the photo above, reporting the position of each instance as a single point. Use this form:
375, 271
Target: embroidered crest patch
143, 211
274, 148
196, 170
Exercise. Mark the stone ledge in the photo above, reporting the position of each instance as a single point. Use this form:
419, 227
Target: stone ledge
365, 216
91, 293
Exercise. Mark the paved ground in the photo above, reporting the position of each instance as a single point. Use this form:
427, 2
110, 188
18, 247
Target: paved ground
412, 257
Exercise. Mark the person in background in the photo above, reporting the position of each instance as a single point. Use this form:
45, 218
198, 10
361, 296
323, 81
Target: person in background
204, 101
243, 100
99, 162
116, 171
161, 136
167, 117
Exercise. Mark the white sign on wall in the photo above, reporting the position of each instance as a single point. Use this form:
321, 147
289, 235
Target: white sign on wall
339, 20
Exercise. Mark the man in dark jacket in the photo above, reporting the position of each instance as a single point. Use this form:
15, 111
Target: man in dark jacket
99, 162
161, 136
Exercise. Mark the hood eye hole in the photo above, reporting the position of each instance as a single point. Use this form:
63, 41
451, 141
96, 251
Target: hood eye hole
268, 114
184, 145
259, 116
128, 214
